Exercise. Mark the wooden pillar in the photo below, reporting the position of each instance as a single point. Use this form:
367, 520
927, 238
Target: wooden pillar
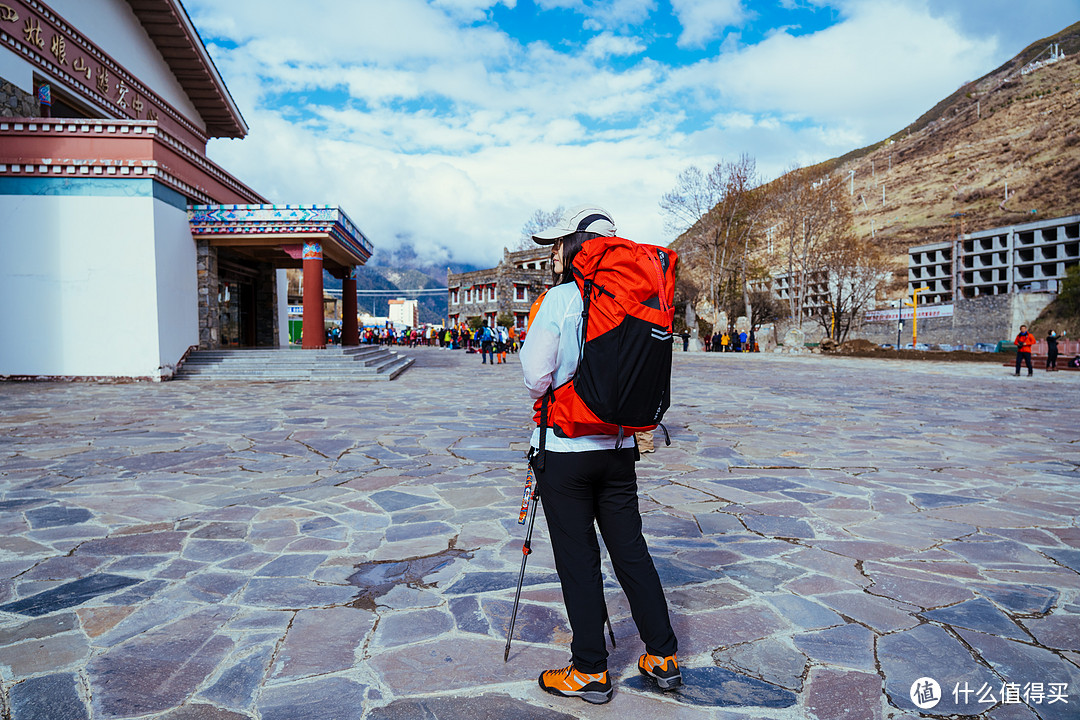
350, 330
314, 323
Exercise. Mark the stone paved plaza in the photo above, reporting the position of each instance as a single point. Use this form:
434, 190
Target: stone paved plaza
828, 532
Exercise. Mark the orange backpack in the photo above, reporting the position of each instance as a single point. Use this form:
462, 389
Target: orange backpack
623, 381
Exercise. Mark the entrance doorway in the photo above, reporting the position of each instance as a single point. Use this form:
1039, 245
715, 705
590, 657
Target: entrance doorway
237, 309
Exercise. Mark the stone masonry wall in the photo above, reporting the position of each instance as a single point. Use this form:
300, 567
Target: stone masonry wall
207, 267
982, 319
16, 103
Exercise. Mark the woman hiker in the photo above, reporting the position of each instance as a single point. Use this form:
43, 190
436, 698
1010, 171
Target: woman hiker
586, 479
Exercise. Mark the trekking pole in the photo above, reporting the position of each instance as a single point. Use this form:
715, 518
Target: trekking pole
526, 550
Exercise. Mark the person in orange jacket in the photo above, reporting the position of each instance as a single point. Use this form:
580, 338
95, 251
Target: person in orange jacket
1023, 343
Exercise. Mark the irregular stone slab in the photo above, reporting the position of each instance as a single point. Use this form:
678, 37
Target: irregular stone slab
843, 695
704, 632
238, 685
660, 524
769, 659
141, 544
159, 669
394, 500
324, 641
49, 697
882, 614
203, 712
978, 614
331, 698
937, 500
760, 484
775, 526
705, 597
479, 582
807, 614
291, 565
467, 615
96, 621
996, 551
212, 551
408, 627
56, 516
534, 623
929, 651
1056, 631
210, 587
69, 594
1066, 556
43, 655
761, 576
848, 645
453, 663
716, 523
376, 579
713, 558
925, 594
397, 533
674, 573
496, 707
1021, 663
286, 593
40, 628
717, 687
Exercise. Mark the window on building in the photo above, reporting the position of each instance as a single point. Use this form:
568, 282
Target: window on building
521, 292
453, 296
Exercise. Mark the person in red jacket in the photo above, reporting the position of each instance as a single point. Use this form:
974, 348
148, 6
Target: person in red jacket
1023, 342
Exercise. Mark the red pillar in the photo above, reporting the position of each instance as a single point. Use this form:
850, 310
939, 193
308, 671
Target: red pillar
314, 324
350, 330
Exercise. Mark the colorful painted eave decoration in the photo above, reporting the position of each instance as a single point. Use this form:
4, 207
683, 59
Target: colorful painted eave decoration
325, 220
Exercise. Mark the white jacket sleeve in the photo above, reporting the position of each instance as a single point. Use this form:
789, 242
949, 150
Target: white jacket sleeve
540, 353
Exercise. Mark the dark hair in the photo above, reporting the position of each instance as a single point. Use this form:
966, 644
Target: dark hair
571, 246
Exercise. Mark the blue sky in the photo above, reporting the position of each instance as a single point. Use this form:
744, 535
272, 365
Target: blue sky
446, 124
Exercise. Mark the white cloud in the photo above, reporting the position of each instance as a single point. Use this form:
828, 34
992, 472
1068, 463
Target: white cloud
872, 73
606, 45
704, 20
425, 122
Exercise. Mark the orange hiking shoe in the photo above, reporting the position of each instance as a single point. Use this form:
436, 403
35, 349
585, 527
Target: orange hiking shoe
568, 682
665, 670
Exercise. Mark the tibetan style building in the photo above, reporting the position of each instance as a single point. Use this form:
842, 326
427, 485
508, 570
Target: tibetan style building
124, 247
509, 288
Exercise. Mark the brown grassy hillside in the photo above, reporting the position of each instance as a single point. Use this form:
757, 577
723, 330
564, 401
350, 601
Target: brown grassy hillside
1005, 128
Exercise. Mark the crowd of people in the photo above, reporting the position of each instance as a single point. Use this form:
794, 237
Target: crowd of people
729, 341
490, 341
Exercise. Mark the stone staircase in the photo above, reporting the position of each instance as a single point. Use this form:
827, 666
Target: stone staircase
336, 364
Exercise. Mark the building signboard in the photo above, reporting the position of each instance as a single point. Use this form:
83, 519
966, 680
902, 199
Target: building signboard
892, 315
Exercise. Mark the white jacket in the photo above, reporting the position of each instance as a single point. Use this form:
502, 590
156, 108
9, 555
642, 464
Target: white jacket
549, 358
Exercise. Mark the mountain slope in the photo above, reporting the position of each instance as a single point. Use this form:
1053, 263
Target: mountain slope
1006, 128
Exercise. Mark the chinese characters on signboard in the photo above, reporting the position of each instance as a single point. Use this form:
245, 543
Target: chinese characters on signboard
85, 66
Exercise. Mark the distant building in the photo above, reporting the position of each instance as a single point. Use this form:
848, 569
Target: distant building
405, 311
1030, 257
123, 244
509, 288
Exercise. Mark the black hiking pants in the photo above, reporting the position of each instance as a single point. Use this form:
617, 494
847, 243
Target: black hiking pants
577, 489
1020, 357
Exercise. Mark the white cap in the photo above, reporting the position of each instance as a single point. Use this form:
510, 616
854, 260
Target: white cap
583, 218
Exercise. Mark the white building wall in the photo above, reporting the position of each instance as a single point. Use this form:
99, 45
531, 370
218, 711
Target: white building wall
177, 286
112, 26
92, 293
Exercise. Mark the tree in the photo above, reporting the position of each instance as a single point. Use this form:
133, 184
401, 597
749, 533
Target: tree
540, 220
808, 208
855, 268
718, 215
